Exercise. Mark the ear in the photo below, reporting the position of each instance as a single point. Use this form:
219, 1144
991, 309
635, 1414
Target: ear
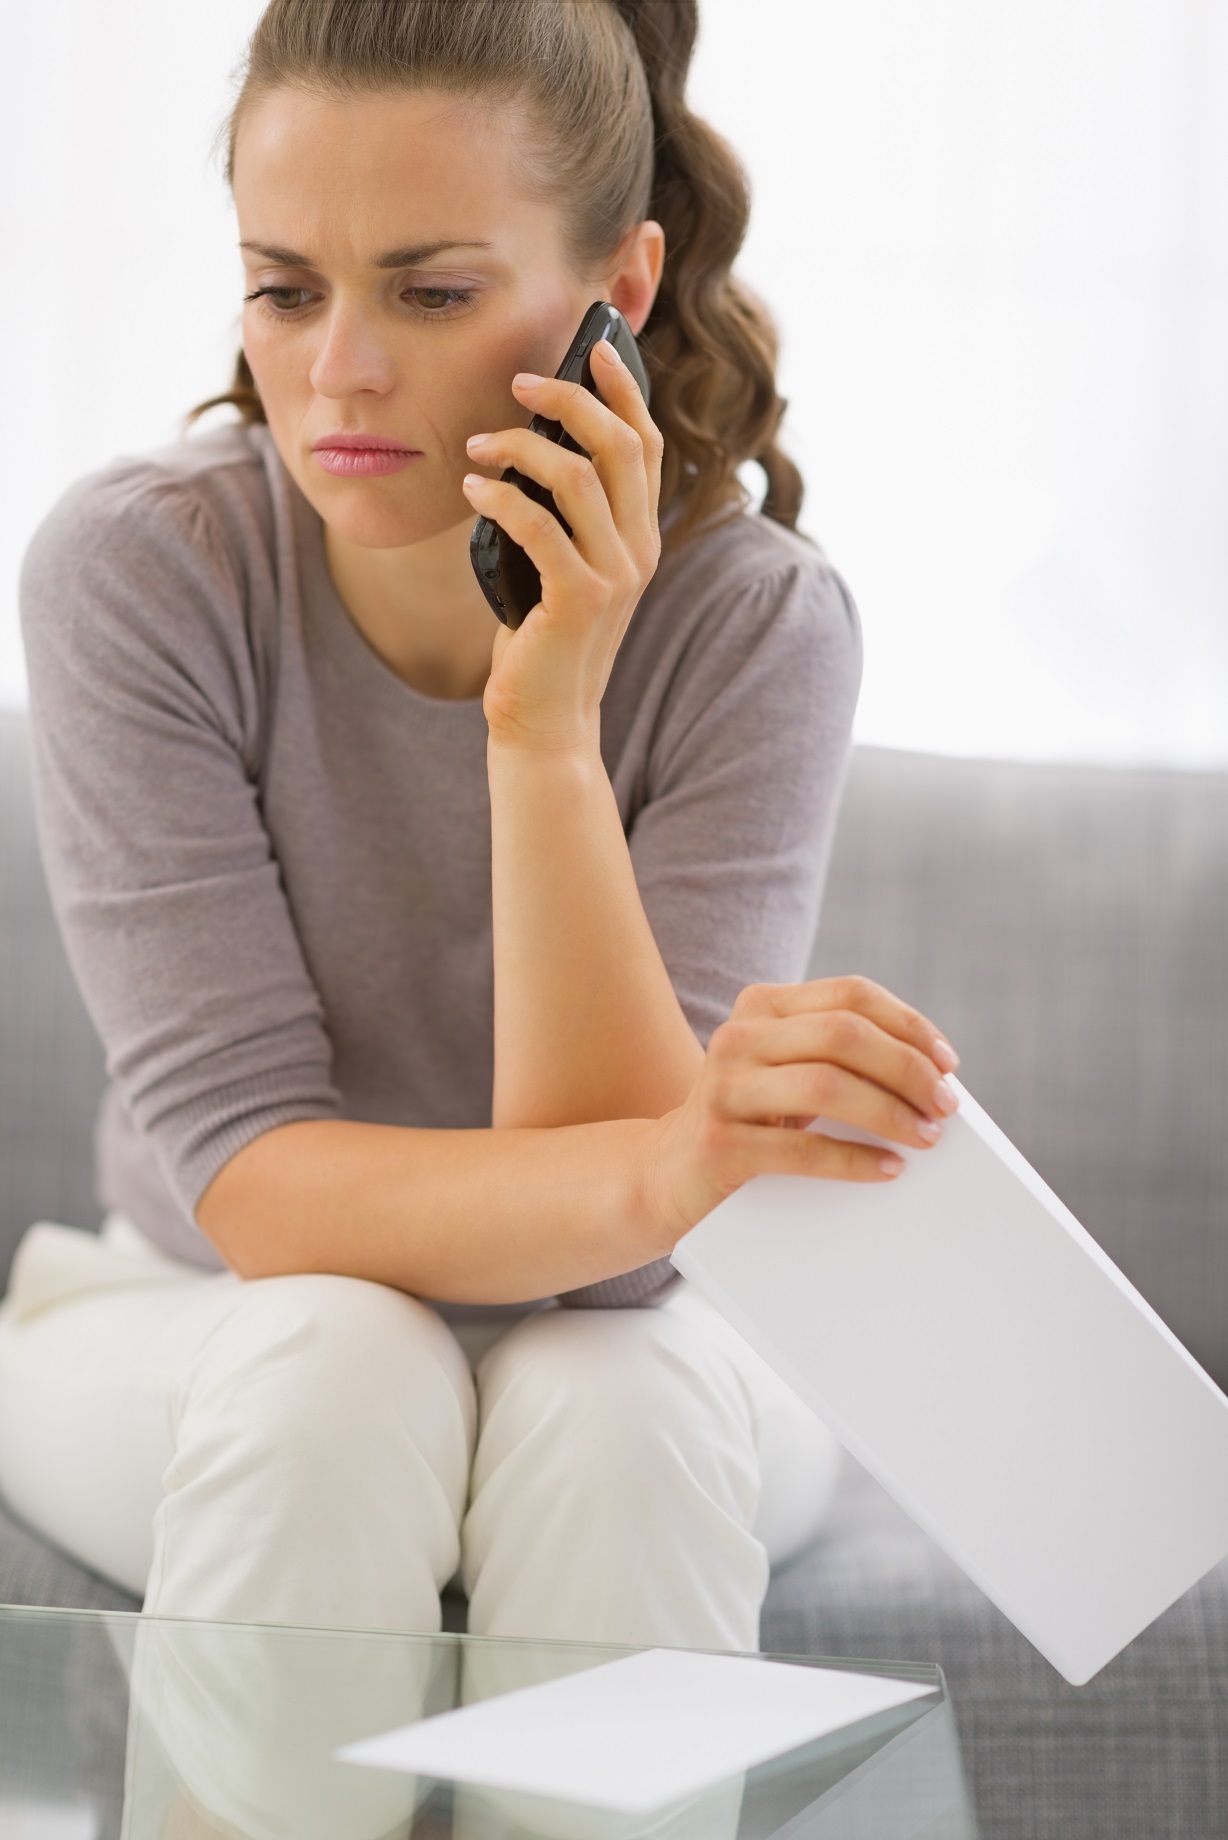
632, 287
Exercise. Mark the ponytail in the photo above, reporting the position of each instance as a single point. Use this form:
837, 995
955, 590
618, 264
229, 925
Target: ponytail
713, 343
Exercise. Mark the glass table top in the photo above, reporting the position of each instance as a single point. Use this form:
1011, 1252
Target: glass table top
121, 1726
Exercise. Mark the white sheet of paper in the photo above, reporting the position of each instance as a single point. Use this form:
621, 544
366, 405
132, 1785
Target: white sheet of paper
976, 1350
635, 1734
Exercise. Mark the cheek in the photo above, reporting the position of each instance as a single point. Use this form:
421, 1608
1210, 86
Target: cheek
462, 393
486, 388
278, 360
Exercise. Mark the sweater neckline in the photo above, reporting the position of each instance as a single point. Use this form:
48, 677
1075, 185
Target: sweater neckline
354, 654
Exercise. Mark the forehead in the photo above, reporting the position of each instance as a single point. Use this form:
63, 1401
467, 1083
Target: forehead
374, 171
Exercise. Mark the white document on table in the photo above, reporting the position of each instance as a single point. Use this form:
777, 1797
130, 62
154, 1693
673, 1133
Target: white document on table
975, 1349
635, 1734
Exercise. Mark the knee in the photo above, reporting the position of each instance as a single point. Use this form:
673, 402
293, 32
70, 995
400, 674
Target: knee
614, 1393
315, 1363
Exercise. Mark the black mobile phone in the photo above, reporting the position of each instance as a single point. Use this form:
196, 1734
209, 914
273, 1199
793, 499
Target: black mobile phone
509, 579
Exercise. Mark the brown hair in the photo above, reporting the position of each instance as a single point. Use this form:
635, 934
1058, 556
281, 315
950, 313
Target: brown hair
614, 144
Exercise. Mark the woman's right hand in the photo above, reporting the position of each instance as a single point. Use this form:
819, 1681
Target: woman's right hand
842, 1048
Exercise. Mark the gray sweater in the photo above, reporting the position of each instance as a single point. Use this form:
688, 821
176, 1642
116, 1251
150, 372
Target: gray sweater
270, 857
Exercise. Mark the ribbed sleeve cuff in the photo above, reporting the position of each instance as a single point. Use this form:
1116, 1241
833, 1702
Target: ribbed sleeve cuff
631, 1289
210, 1130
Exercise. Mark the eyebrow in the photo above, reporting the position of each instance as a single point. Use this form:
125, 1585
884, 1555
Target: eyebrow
393, 258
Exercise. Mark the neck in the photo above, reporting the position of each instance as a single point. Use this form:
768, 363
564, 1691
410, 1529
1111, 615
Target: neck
419, 609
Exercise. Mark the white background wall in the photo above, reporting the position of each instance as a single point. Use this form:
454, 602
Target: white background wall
995, 237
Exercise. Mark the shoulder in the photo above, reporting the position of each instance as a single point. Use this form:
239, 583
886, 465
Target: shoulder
745, 640
149, 581
162, 549
203, 498
746, 596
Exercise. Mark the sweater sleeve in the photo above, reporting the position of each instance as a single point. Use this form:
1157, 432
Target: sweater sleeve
732, 844
145, 723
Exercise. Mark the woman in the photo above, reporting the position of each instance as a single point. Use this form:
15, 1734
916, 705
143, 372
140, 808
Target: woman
447, 974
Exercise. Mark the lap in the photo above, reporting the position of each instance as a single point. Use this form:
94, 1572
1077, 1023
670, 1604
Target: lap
101, 1334
103, 1340
111, 1310
675, 1360
800, 1458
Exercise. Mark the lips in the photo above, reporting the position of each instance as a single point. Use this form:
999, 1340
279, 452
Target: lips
362, 456
366, 443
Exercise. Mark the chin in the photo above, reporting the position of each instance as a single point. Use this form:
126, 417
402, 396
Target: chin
372, 525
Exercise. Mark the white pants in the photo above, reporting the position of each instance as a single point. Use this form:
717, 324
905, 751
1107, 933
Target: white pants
327, 1451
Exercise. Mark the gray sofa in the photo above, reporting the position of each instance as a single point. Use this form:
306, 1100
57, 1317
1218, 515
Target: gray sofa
1068, 928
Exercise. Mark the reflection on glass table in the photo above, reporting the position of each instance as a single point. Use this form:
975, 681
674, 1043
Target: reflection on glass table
131, 1727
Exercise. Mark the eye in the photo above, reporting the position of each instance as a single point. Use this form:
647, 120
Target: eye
461, 295
275, 293
270, 293
461, 298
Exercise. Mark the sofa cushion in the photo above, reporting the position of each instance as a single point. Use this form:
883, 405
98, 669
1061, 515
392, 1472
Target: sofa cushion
35, 1571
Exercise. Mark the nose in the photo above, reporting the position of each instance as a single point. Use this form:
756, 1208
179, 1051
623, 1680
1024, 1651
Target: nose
353, 356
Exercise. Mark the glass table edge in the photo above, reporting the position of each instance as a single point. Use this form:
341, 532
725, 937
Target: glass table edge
916, 1671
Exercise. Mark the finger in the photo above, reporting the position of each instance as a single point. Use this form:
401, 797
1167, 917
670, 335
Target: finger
623, 440
577, 489
619, 453
539, 534
619, 388
767, 1151
855, 993
847, 1039
765, 1095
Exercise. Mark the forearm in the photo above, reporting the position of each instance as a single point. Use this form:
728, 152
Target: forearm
484, 1216
587, 1025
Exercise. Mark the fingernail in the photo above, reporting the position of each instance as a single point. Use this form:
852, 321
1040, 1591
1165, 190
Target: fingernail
891, 1164
610, 350
477, 440
473, 479
944, 1097
527, 380
945, 1055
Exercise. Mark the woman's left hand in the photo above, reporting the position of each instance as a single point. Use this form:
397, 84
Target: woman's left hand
547, 677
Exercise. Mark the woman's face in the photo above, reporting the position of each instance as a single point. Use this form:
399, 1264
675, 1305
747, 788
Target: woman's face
371, 332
